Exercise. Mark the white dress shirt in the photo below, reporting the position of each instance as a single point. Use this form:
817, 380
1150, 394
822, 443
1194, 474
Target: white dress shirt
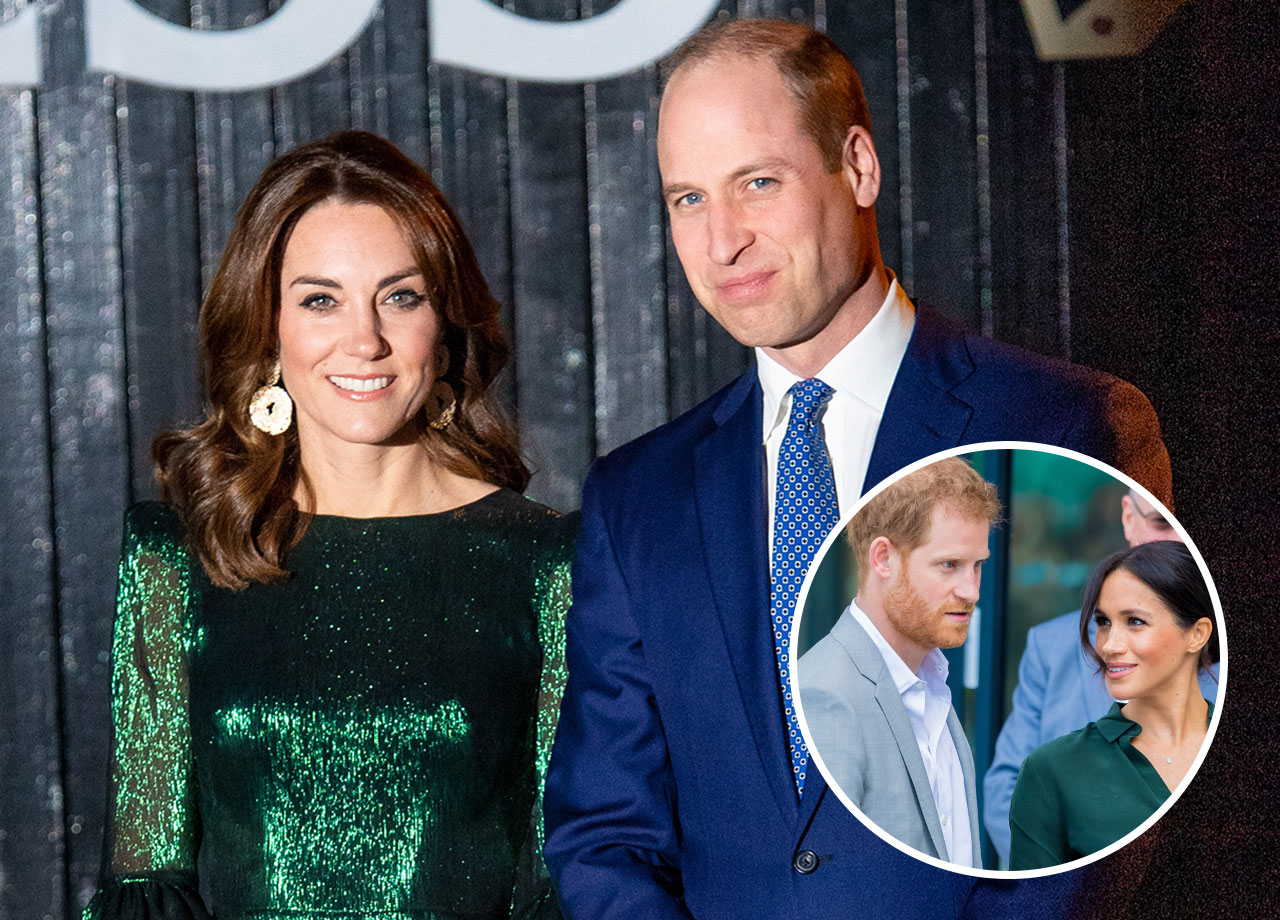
861, 374
927, 699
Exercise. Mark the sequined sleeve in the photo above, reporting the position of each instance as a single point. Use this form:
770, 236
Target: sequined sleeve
150, 845
533, 896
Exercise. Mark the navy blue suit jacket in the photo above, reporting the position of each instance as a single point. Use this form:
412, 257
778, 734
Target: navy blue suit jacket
669, 792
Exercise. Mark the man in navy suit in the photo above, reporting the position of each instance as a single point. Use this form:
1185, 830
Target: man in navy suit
1059, 688
678, 784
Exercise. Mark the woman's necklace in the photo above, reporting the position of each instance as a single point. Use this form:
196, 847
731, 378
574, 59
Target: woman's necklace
1167, 753
1153, 750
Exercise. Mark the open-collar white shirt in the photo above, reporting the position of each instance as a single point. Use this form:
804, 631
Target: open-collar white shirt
927, 699
862, 375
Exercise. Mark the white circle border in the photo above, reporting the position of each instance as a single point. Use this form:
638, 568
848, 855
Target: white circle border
1010, 874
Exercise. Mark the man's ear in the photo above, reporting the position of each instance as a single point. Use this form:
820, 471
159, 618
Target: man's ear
861, 166
880, 556
1126, 518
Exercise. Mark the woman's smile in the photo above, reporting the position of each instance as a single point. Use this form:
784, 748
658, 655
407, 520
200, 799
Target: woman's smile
362, 388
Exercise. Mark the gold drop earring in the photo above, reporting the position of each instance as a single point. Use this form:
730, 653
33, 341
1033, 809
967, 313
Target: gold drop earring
271, 409
444, 402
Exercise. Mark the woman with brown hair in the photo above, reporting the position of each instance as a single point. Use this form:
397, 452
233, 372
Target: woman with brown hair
338, 649
1155, 632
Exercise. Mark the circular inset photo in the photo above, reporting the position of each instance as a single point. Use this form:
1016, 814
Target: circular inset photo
1011, 659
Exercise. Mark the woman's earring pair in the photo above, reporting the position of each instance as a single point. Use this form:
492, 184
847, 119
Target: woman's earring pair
271, 409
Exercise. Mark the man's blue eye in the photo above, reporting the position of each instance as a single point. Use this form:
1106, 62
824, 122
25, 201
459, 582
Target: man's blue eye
691, 198
761, 182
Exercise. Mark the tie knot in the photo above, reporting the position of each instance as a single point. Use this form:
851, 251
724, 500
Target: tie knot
808, 396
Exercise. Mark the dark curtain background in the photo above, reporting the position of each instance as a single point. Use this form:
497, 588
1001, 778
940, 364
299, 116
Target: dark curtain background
1120, 213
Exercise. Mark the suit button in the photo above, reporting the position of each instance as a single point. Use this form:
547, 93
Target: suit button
806, 861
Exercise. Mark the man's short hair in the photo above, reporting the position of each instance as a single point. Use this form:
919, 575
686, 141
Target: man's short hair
826, 88
903, 512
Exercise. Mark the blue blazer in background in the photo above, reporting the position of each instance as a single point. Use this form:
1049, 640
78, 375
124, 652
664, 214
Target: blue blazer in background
1059, 690
670, 792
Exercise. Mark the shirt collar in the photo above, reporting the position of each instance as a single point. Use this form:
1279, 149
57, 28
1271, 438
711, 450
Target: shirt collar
934, 664
1114, 726
863, 369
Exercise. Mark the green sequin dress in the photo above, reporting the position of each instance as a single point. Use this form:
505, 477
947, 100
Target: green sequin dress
366, 739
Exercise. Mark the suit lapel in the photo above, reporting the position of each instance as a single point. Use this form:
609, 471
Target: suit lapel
968, 773
866, 657
891, 705
921, 416
729, 492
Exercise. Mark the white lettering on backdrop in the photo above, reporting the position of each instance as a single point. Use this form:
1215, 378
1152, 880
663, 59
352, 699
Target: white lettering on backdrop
480, 36
20, 48
124, 39
1100, 28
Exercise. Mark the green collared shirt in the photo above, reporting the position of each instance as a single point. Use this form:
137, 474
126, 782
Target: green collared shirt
1082, 792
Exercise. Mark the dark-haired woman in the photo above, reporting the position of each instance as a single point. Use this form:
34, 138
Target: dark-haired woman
1082, 792
338, 646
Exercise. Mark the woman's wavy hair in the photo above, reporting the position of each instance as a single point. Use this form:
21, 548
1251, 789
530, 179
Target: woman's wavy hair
1167, 568
234, 485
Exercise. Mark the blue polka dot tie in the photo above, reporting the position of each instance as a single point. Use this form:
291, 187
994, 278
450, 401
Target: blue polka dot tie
804, 511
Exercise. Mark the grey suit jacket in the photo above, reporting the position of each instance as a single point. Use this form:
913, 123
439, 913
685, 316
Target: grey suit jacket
859, 728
